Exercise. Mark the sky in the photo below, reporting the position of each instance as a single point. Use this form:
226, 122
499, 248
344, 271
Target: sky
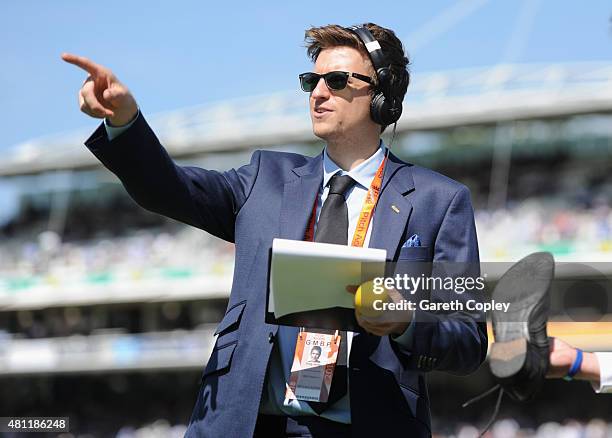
177, 54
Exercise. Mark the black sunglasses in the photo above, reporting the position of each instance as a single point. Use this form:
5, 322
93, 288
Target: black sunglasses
335, 80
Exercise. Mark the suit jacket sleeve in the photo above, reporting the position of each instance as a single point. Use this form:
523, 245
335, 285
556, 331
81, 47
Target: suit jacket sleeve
453, 341
206, 199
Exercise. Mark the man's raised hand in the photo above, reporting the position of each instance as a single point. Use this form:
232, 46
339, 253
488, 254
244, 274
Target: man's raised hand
102, 95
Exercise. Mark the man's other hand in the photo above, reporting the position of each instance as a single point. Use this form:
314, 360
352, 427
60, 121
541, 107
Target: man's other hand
562, 356
381, 323
102, 94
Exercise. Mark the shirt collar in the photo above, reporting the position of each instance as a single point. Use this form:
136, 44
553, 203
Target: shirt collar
363, 174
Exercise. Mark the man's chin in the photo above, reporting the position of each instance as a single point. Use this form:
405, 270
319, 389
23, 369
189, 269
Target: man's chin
322, 131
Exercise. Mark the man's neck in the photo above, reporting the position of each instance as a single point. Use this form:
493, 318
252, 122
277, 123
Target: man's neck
350, 155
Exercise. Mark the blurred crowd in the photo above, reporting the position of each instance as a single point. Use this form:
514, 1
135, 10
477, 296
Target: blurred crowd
40, 256
48, 256
547, 225
553, 203
506, 428
111, 234
130, 318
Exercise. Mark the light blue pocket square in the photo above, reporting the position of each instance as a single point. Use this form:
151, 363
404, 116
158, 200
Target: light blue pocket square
415, 240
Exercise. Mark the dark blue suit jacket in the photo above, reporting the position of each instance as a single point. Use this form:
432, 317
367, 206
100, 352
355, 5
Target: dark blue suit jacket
273, 197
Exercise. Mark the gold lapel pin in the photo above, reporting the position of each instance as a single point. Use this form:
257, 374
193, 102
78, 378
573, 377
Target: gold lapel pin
395, 209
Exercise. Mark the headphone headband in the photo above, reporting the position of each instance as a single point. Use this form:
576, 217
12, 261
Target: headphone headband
386, 106
372, 46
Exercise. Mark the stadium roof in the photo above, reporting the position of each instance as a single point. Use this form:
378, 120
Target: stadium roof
434, 101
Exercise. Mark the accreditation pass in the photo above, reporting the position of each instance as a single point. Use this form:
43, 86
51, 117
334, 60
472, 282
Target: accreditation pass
313, 366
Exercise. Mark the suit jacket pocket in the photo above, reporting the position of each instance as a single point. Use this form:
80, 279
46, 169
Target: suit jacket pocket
231, 319
419, 407
414, 253
220, 359
223, 351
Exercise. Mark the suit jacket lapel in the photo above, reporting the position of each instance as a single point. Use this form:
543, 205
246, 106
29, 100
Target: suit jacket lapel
298, 198
394, 208
391, 215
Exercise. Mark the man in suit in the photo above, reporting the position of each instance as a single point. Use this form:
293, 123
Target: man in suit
378, 388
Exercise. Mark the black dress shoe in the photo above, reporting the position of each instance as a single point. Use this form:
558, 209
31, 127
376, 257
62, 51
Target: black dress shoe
519, 357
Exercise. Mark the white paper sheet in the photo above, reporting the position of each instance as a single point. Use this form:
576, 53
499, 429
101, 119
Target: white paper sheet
309, 276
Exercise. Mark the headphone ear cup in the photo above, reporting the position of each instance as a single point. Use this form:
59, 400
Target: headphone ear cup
393, 111
384, 111
384, 77
377, 107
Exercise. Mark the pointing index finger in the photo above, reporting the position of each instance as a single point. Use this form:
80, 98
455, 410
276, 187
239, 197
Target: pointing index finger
82, 62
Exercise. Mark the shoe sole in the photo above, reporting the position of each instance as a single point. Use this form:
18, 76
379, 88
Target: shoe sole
524, 285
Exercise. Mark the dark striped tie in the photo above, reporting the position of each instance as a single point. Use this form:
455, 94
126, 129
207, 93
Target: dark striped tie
332, 227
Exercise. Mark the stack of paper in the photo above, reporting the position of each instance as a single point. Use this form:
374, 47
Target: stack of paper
309, 276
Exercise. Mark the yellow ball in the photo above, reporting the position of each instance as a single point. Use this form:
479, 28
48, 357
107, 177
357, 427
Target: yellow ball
365, 297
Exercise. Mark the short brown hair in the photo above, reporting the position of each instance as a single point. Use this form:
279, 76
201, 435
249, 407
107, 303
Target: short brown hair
332, 35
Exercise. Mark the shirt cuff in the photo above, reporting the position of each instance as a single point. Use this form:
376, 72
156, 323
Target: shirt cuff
113, 132
605, 373
406, 338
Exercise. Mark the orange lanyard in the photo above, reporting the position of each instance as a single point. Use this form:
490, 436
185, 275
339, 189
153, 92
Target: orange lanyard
367, 211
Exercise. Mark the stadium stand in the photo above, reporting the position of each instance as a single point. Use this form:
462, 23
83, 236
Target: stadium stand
100, 295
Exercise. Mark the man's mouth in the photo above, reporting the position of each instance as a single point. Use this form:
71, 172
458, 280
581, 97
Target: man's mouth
319, 112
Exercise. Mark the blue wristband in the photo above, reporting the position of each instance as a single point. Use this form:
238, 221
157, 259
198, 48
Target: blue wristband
575, 366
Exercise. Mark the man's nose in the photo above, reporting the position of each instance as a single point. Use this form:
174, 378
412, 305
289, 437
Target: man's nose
321, 90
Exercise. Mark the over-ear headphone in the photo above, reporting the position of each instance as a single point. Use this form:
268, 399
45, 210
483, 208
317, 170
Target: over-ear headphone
386, 106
